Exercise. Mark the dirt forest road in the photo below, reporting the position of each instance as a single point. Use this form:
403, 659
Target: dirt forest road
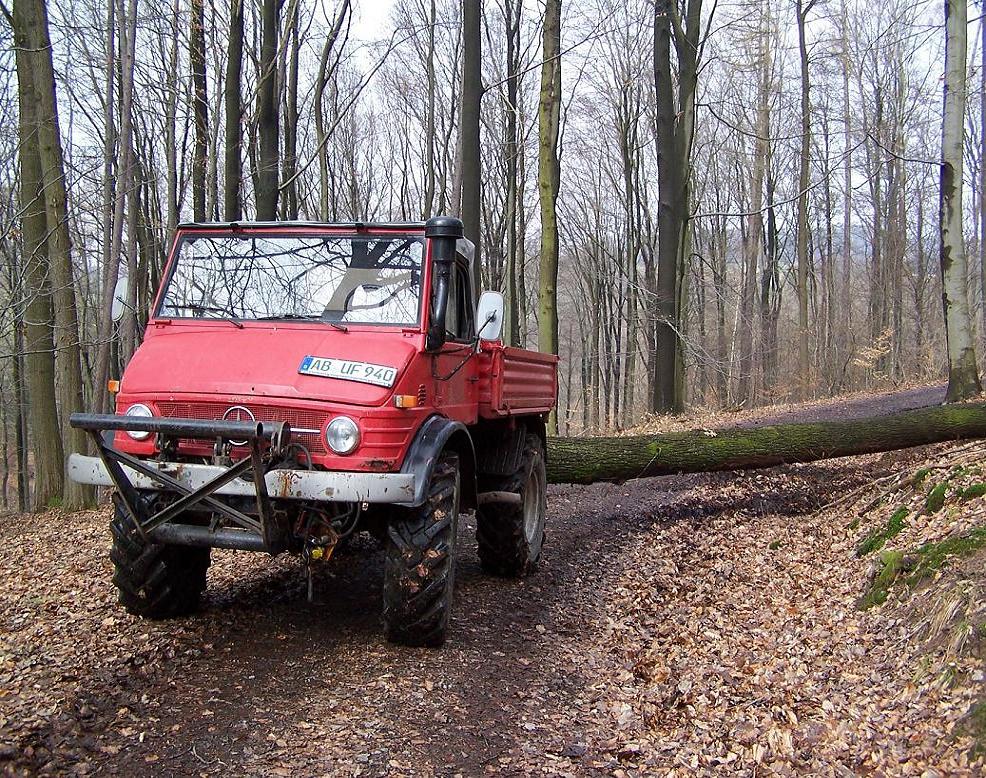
692, 623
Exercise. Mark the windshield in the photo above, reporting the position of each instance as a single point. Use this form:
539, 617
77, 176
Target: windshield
357, 280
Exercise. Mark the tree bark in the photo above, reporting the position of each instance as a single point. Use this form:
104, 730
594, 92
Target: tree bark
171, 123
267, 115
511, 20
549, 175
963, 374
804, 379
429, 172
675, 124
290, 196
122, 190
39, 346
70, 390
753, 239
845, 299
588, 460
200, 104
326, 71
982, 169
472, 95
233, 166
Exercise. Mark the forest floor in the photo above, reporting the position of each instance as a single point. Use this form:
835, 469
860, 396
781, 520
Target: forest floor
711, 623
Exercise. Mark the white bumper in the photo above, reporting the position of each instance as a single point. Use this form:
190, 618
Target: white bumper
286, 484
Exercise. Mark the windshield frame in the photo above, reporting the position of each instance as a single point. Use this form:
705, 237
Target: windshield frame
195, 232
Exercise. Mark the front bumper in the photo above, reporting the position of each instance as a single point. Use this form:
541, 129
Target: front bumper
327, 486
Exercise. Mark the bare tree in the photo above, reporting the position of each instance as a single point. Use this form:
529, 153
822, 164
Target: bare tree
232, 205
675, 126
268, 164
549, 180
963, 374
472, 94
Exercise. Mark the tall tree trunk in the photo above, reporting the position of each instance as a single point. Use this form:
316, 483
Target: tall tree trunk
291, 117
16, 285
828, 271
753, 239
268, 163
520, 259
200, 105
70, 391
326, 70
233, 166
920, 282
804, 378
963, 374
511, 17
105, 326
982, 167
770, 289
472, 95
549, 178
429, 171
171, 123
39, 346
845, 298
675, 130
109, 159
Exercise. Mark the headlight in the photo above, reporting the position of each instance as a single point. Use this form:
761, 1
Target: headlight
342, 435
143, 412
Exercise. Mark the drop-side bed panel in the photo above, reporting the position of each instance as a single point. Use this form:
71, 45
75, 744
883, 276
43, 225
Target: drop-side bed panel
516, 381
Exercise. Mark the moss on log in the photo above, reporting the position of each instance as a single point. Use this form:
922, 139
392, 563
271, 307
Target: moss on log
586, 460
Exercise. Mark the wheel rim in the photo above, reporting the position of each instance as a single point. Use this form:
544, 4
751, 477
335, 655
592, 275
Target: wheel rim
532, 506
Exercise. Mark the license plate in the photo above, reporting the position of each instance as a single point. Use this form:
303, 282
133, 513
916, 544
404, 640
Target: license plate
347, 370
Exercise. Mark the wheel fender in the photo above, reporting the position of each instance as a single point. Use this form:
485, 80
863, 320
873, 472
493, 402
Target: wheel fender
435, 436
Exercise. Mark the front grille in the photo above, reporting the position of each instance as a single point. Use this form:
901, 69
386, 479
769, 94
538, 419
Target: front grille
299, 419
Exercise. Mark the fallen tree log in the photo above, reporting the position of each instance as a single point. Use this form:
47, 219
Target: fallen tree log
586, 460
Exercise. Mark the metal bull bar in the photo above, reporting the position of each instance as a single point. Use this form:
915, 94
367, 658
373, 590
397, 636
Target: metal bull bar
271, 437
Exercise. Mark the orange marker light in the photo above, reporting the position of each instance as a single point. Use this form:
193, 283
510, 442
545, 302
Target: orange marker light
406, 400
113, 386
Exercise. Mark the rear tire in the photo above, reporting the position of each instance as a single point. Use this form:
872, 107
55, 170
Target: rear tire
509, 535
155, 580
419, 575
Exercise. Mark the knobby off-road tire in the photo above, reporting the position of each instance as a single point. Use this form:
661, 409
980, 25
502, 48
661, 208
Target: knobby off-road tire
155, 580
419, 572
510, 536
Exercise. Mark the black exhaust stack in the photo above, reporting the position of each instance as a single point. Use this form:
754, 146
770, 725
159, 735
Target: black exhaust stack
442, 232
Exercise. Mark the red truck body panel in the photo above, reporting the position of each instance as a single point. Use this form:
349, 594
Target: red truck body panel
516, 381
206, 368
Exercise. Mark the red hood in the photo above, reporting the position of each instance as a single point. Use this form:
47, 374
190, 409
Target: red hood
263, 361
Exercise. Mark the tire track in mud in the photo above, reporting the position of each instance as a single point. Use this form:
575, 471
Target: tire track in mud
299, 688
314, 687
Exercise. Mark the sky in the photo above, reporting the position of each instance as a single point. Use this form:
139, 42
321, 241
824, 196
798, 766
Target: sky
371, 17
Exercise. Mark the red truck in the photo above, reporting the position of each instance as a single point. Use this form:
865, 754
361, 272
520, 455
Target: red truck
301, 382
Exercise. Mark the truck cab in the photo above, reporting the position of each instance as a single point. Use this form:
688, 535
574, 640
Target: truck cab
301, 382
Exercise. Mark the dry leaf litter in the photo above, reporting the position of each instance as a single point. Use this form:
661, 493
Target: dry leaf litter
705, 624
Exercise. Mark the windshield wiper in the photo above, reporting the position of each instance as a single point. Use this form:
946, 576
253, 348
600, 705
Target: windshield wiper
210, 309
304, 317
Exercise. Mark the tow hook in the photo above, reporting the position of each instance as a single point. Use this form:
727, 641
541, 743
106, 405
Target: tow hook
317, 550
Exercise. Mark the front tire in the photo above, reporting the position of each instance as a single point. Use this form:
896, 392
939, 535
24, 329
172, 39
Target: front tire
155, 580
510, 535
419, 575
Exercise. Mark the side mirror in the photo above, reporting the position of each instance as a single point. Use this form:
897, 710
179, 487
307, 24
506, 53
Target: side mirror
489, 316
119, 306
